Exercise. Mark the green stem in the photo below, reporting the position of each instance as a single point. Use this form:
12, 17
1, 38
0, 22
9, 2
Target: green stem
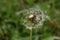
31, 34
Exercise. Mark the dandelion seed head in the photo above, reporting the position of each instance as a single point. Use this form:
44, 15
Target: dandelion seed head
36, 21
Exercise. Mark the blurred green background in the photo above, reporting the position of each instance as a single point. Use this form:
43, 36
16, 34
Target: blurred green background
11, 27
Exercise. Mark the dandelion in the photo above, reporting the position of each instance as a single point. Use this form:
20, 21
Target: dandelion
33, 18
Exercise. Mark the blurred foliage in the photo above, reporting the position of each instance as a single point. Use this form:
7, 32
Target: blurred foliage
11, 27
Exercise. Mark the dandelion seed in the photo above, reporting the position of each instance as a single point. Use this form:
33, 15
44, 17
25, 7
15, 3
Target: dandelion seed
31, 16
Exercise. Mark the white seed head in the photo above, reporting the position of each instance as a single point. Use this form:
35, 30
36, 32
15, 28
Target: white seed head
37, 17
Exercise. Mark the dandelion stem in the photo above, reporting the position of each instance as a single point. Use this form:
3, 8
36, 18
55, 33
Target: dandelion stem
31, 34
